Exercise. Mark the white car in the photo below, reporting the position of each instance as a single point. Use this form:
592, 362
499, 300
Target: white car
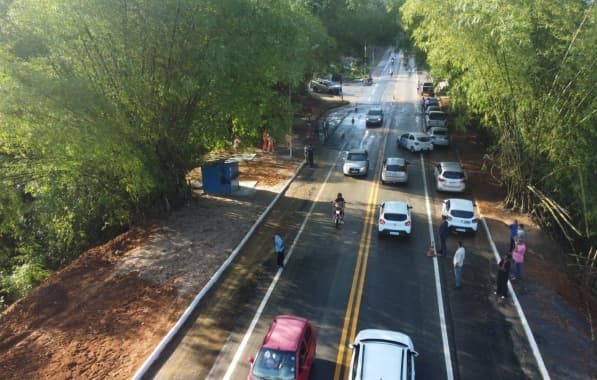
394, 219
449, 176
460, 214
435, 119
382, 354
415, 142
356, 163
439, 136
394, 170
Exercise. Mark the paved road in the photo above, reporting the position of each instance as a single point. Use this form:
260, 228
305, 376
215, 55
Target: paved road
347, 279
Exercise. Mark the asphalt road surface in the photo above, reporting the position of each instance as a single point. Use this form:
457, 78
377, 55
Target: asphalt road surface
347, 279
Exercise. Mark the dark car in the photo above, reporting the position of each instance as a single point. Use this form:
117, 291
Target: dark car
427, 89
326, 86
374, 117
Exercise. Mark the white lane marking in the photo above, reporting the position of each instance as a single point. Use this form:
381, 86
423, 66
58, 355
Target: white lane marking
438, 287
264, 301
523, 319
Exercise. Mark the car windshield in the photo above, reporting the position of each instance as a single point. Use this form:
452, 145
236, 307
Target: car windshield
423, 138
273, 364
396, 168
356, 157
394, 217
462, 214
437, 116
453, 175
375, 112
440, 132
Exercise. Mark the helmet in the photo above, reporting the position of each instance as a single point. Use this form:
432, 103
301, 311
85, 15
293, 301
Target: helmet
339, 195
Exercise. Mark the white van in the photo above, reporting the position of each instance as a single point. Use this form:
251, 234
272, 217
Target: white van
382, 354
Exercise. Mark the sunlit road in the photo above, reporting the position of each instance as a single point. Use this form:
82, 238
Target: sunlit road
347, 279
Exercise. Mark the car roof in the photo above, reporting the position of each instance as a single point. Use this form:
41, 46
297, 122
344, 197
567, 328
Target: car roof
461, 204
374, 109
395, 161
384, 335
395, 206
419, 134
363, 151
436, 112
448, 165
285, 333
433, 129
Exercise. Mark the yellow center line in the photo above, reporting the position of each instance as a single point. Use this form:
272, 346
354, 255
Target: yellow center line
358, 282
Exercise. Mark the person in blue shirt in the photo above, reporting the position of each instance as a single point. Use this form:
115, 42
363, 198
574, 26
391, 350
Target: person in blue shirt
513, 234
279, 248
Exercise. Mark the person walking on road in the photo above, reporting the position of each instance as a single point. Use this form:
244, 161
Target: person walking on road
279, 248
502, 276
518, 258
513, 233
458, 262
310, 155
443, 236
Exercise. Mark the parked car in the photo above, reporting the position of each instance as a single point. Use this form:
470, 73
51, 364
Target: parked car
439, 136
449, 176
356, 163
394, 219
374, 117
435, 119
394, 170
427, 89
326, 86
432, 108
460, 214
382, 354
431, 101
287, 351
415, 142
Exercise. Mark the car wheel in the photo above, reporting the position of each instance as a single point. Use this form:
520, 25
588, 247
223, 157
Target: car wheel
383, 182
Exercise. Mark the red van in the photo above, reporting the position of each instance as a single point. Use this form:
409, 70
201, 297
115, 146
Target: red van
287, 351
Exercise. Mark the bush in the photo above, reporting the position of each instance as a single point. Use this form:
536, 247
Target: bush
22, 280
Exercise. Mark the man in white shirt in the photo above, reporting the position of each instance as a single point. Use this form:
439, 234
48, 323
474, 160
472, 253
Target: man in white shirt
458, 261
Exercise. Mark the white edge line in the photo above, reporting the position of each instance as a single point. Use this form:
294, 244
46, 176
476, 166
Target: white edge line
523, 319
257, 316
438, 287
158, 351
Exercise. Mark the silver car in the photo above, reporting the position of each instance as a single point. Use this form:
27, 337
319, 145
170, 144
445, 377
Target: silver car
449, 176
439, 136
394, 170
356, 163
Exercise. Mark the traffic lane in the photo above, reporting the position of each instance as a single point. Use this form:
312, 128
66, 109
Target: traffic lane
487, 335
316, 281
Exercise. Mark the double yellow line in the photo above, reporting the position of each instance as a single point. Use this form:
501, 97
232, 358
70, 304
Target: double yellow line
358, 281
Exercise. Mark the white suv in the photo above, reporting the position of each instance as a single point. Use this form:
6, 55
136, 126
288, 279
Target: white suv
394, 219
382, 354
394, 170
460, 214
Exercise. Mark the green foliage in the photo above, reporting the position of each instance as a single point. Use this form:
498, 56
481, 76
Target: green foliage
526, 71
22, 280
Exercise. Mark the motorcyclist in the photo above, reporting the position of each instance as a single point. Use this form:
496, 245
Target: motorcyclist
339, 202
391, 72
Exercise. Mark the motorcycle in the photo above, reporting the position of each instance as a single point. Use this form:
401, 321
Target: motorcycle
338, 214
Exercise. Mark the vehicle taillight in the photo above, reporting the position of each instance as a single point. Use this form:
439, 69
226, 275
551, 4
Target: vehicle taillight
382, 221
407, 223
441, 179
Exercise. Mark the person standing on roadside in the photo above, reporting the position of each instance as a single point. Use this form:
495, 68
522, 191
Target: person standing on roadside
310, 155
443, 236
513, 233
502, 276
458, 262
522, 234
279, 248
518, 258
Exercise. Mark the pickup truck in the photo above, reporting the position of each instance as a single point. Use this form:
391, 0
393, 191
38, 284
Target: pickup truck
326, 86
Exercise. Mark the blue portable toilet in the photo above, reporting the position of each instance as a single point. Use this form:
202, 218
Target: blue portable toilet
220, 177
